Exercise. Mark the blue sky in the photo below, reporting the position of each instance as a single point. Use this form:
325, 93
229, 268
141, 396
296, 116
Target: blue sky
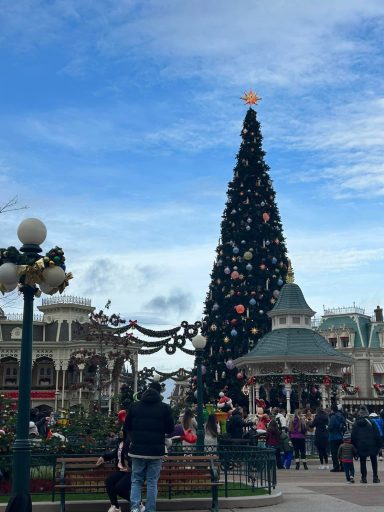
120, 127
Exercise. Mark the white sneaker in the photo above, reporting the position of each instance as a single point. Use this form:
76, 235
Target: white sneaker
380, 458
142, 508
326, 467
112, 508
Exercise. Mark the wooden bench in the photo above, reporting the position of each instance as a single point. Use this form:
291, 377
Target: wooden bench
80, 475
180, 474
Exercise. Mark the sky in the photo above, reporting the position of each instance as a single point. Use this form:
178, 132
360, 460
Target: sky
121, 123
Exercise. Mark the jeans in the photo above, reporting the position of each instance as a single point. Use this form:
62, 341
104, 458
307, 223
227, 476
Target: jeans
349, 470
149, 470
363, 466
286, 459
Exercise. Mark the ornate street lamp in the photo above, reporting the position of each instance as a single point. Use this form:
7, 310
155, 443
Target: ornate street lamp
199, 343
33, 274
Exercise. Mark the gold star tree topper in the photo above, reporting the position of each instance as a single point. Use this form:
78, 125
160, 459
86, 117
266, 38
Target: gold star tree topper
250, 98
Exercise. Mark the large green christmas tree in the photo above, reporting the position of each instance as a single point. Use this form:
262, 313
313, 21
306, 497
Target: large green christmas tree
249, 270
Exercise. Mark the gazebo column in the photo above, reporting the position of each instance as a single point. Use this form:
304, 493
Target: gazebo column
288, 389
250, 399
323, 396
257, 393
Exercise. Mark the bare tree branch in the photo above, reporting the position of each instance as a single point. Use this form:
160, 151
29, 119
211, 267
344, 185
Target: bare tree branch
11, 206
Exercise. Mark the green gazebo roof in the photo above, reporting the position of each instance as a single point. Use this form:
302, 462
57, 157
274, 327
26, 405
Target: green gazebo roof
294, 345
291, 300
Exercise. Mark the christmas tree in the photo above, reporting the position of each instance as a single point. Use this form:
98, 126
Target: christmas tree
249, 270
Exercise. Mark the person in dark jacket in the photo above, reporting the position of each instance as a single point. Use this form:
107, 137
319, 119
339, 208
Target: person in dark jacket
336, 429
118, 483
146, 424
236, 424
366, 439
320, 424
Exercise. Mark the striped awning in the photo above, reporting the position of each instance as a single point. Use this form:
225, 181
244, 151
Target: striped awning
378, 367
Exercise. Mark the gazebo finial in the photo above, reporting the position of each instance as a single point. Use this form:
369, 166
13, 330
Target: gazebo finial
290, 274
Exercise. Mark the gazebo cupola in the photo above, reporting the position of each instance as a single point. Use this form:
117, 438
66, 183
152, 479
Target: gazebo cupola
291, 310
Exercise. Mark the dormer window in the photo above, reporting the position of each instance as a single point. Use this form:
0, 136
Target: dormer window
296, 320
282, 320
333, 342
344, 341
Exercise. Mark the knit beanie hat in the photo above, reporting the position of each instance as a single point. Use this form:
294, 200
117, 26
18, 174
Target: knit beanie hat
363, 412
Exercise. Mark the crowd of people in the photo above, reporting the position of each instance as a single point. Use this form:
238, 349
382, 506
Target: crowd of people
336, 435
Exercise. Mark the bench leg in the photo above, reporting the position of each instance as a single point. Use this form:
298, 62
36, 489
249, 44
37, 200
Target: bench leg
62, 500
215, 499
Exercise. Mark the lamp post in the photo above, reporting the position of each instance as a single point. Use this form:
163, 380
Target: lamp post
199, 343
26, 269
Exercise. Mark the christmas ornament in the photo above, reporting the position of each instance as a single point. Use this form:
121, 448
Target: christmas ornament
265, 217
215, 307
230, 364
234, 321
233, 332
240, 309
227, 270
254, 330
248, 255
248, 267
280, 282
252, 302
226, 339
235, 275
235, 250
240, 376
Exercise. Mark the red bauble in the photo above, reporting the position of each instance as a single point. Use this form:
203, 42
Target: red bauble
240, 376
240, 309
233, 321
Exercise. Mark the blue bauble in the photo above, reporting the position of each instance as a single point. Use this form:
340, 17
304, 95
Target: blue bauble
280, 281
252, 302
274, 260
236, 250
233, 332
248, 267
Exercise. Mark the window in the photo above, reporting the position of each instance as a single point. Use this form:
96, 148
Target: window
378, 378
282, 320
45, 376
333, 342
344, 341
11, 376
295, 319
347, 378
307, 321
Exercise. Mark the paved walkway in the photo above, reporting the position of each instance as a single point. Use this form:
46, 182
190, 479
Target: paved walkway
318, 490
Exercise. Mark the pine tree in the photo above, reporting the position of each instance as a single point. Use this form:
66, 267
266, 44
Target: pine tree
249, 270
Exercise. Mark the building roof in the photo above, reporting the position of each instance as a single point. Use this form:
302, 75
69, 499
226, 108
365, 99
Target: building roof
291, 300
294, 345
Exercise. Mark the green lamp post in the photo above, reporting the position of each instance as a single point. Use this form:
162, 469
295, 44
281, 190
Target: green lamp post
199, 343
33, 274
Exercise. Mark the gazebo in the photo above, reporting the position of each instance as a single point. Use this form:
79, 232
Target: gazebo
292, 360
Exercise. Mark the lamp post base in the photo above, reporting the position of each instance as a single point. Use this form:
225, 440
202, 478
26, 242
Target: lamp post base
20, 502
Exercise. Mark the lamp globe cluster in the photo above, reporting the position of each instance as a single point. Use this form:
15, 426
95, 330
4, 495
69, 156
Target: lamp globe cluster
31, 232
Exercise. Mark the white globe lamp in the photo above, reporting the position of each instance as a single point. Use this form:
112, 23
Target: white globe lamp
32, 232
8, 273
53, 276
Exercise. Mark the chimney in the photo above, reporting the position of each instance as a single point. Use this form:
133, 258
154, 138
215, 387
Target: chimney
379, 314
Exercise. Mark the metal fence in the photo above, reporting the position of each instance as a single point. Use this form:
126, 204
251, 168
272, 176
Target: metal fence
242, 468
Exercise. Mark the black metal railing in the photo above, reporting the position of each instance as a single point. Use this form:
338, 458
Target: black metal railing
243, 469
